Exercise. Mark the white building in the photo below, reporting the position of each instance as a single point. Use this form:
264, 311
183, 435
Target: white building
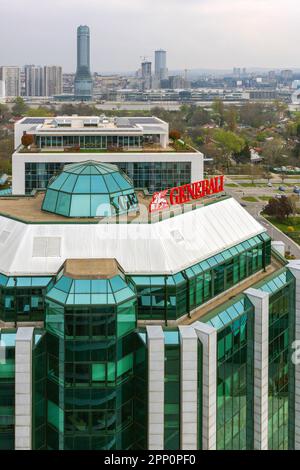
2, 90
12, 78
138, 145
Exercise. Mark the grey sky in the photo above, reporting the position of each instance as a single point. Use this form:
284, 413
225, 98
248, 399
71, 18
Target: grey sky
196, 33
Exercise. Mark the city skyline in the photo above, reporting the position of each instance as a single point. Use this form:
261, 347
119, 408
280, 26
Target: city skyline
201, 35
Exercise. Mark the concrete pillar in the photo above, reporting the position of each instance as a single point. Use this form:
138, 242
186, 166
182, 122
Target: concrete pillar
23, 389
156, 387
208, 337
260, 300
188, 388
294, 268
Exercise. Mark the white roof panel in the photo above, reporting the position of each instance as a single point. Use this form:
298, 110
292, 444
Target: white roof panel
164, 247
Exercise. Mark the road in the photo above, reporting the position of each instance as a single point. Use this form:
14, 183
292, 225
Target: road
255, 209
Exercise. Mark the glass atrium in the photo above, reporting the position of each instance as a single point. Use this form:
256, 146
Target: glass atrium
90, 189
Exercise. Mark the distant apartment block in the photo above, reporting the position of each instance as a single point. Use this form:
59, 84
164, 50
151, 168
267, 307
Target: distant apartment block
53, 83
43, 81
2, 90
11, 77
34, 80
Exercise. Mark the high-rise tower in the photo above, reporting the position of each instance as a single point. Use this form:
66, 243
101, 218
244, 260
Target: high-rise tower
161, 71
83, 78
147, 75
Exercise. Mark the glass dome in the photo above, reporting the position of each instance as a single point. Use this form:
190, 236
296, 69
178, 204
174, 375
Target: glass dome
90, 189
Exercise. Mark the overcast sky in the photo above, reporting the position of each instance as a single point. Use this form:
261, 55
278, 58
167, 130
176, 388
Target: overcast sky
213, 34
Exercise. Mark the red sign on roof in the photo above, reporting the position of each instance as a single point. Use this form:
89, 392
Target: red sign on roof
187, 193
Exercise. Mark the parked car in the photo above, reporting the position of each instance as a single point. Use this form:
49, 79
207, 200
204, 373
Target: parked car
282, 188
270, 185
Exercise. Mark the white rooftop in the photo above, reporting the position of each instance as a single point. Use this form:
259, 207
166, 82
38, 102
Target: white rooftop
94, 123
165, 247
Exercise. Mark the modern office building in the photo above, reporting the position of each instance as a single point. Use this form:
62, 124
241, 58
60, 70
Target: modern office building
53, 82
140, 146
83, 78
11, 77
147, 75
132, 322
161, 70
34, 80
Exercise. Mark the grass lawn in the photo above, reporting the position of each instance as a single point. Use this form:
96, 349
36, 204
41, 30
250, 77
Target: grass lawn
231, 185
283, 225
265, 198
248, 185
249, 199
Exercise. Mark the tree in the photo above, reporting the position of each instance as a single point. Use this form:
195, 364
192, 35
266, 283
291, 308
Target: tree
267, 175
174, 134
4, 112
272, 151
229, 143
197, 116
40, 112
219, 111
210, 150
20, 107
6, 151
255, 172
257, 115
231, 117
280, 208
27, 139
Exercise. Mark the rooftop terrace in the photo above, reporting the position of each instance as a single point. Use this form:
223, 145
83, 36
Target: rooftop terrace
27, 209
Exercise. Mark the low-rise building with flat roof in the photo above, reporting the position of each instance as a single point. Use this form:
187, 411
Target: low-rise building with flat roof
140, 146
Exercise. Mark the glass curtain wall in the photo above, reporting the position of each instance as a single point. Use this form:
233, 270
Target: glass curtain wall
39, 381
7, 389
141, 392
154, 176
23, 298
172, 391
235, 355
90, 142
90, 364
170, 297
281, 288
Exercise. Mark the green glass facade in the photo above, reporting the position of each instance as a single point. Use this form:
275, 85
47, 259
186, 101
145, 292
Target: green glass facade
89, 190
39, 390
171, 297
90, 362
234, 323
23, 298
172, 391
7, 389
141, 385
281, 288
91, 344
90, 142
154, 176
